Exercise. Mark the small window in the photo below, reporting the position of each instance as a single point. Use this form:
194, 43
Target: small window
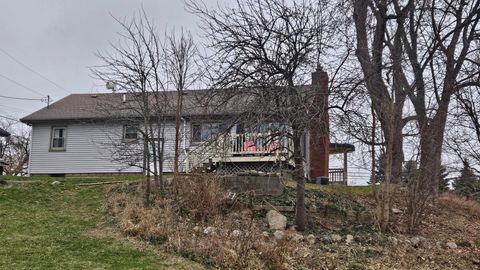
130, 133
58, 138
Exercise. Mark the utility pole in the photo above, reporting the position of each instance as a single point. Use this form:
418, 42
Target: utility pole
48, 101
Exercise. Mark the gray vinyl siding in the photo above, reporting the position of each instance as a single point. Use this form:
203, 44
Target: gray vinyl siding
86, 150
169, 146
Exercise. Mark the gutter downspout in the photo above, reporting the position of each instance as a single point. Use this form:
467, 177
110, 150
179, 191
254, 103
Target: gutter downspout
184, 146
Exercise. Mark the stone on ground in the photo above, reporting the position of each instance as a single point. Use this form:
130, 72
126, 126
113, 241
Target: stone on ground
349, 239
276, 221
451, 245
209, 230
336, 238
311, 239
236, 233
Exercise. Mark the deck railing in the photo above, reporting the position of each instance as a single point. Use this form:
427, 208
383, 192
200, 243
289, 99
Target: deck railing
336, 175
259, 144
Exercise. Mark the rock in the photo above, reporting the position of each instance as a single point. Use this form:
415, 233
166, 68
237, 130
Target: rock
297, 237
451, 245
196, 229
311, 239
209, 230
396, 211
336, 238
418, 241
349, 239
266, 234
276, 221
236, 233
278, 235
56, 183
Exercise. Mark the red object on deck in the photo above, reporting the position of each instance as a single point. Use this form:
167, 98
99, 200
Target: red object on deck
319, 136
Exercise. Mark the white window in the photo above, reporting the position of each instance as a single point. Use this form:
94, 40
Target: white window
58, 138
130, 132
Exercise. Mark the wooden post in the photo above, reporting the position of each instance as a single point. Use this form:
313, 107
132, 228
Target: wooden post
345, 170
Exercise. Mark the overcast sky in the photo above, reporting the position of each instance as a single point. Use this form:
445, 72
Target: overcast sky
58, 39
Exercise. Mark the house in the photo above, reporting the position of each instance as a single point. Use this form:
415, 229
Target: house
84, 133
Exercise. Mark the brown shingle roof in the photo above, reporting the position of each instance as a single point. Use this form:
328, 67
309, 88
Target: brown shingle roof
111, 105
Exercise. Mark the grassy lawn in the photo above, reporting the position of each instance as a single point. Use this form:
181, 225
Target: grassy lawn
63, 227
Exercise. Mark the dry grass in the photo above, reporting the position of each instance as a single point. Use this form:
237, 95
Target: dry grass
180, 223
199, 223
455, 202
201, 196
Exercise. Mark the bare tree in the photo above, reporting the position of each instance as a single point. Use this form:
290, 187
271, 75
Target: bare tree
180, 56
262, 50
428, 44
15, 149
135, 67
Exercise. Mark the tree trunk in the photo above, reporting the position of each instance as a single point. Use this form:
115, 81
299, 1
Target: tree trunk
178, 117
300, 211
397, 152
146, 158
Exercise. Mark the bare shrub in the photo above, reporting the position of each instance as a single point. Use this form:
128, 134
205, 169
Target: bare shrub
179, 223
202, 196
456, 202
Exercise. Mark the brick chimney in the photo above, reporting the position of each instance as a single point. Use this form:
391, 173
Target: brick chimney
319, 133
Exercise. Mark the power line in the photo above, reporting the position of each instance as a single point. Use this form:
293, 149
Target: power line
9, 118
21, 85
32, 70
21, 98
11, 107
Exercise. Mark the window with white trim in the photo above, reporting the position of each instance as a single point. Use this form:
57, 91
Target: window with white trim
130, 132
58, 138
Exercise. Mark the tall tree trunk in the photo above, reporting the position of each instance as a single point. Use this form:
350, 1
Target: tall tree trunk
431, 142
300, 211
397, 145
146, 158
178, 117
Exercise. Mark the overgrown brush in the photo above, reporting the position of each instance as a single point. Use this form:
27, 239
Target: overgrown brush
455, 202
194, 222
201, 196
